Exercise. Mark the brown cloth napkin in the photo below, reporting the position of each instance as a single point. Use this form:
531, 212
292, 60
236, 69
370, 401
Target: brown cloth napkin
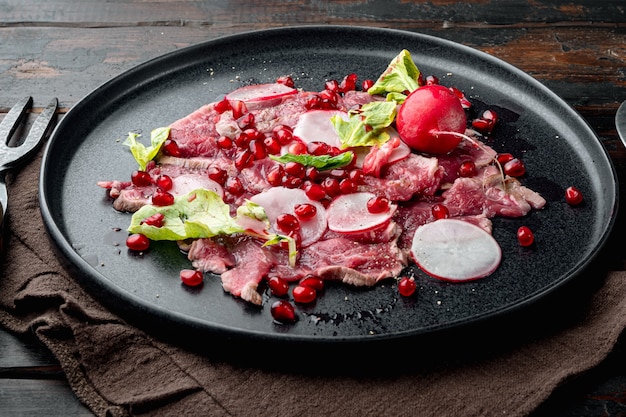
118, 370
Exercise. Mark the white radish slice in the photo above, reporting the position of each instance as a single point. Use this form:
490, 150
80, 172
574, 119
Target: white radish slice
348, 213
257, 96
185, 183
315, 126
455, 250
280, 200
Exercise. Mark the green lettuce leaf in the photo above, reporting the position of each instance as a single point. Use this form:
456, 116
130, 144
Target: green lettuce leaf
143, 154
321, 162
400, 76
366, 127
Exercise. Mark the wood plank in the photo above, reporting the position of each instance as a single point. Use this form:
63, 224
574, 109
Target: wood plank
39, 398
23, 351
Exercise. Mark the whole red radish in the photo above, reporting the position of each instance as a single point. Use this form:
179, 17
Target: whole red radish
432, 120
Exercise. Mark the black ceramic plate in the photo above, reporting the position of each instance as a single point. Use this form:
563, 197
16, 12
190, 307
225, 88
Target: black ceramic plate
558, 147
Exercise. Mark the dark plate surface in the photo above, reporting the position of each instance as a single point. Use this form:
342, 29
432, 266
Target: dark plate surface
558, 147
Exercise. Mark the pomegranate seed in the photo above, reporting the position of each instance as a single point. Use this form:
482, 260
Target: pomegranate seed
378, 204
222, 106
348, 83
137, 242
164, 182
357, 176
242, 140
234, 186
573, 196
329, 99
272, 145
275, 175
171, 148
257, 147
239, 108
467, 169
283, 134
155, 220
244, 159
278, 286
290, 181
338, 173
514, 168
314, 102
503, 158
481, 125
331, 85
347, 186
296, 169
432, 80
141, 178
313, 281
283, 312
224, 142
304, 294
439, 211
254, 134
217, 174
312, 174
297, 148
525, 236
367, 84
191, 277
162, 198
331, 186
406, 286
305, 211
287, 222
286, 80
318, 148
314, 191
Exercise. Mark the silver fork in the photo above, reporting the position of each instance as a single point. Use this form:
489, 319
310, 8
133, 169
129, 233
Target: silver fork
13, 156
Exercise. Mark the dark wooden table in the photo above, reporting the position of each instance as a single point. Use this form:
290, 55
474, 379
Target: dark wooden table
64, 49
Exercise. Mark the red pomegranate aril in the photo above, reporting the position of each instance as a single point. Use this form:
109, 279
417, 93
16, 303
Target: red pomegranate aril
162, 198
171, 148
467, 169
303, 294
283, 134
525, 236
290, 181
439, 211
141, 178
164, 182
305, 211
137, 242
239, 108
254, 134
218, 174
224, 142
378, 204
432, 80
272, 145
314, 191
503, 158
348, 83
278, 286
314, 102
367, 84
514, 168
297, 148
191, 277
318, 148
275, 175
332, 85
573, 196
338, 173
242, 140
481, 125
283, 312
286, 80
244, 159
234, 186
296, 169
347, 186
312, 174
357, 176
156, 220
313, 281
331, 186
257, 147
222, 106
287, 222
406, 286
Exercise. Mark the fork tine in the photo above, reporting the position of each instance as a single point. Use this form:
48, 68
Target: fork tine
40, 128
13, 118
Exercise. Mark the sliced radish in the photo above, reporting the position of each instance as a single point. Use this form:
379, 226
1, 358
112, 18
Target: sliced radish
280, 200
185, 183
261, 95
315, 126
455, 250
348, 213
